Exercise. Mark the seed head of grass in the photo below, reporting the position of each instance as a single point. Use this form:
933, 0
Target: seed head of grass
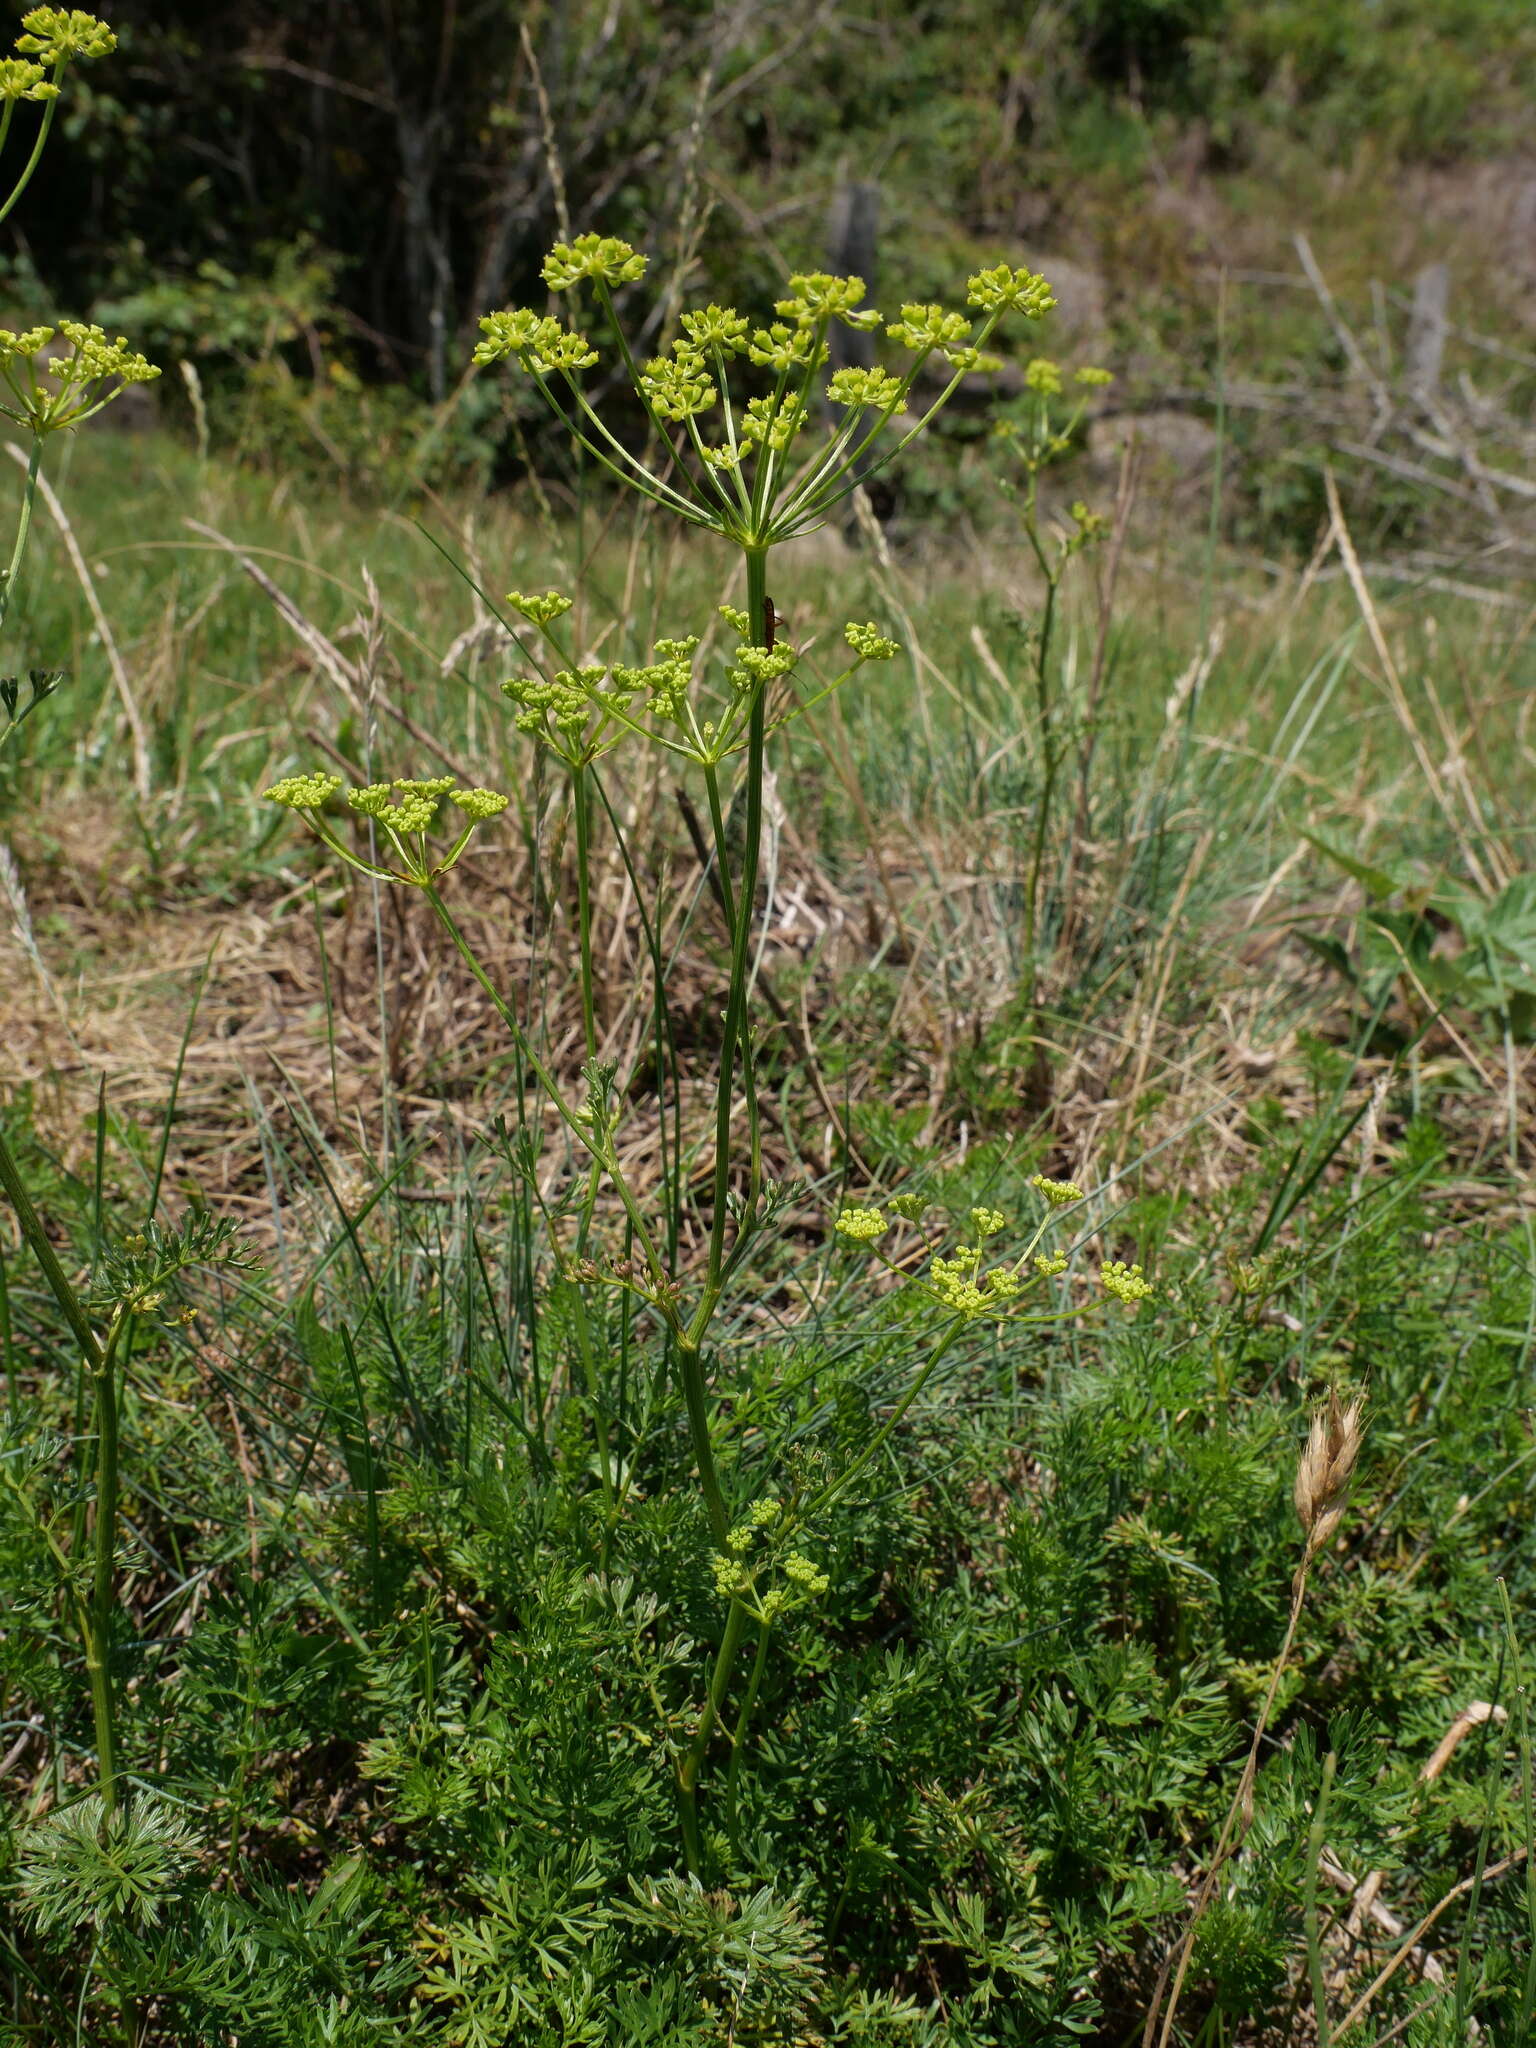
1326, 1467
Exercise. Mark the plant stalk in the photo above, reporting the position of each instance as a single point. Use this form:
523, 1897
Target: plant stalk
688, 1770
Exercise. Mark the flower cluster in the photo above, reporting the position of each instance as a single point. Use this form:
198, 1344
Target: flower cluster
303, 792
540, 611
20, 80
869, 643
733, 482
403, 806
58, 34
961, 1283
50, 388
536, 341
770, 423
925, 327
1086, 528
872, 390
784, 348
755, 667
405, 811
736, 1573
815, 298
862, 1226
1004, 289
718, 327
603, 259
1126, 1283
677, 386
553, 706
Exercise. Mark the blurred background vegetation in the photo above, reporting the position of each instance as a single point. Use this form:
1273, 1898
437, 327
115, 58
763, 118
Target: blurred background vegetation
311, 204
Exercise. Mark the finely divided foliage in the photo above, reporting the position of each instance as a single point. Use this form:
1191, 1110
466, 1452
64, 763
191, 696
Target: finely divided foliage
617, 1593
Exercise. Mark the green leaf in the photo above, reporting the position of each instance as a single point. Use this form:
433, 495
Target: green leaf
1332, 951
1380, 881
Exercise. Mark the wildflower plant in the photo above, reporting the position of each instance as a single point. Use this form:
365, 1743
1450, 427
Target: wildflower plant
751, 440
51, 378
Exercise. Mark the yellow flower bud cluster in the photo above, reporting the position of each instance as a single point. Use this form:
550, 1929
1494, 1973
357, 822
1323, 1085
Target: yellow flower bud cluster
405, 809
736, 1576
303, 792
20, 80
960, 1285
816, 296
870, 643
754, 667
677, 387
540, 611
1127, 1283
564, 700
1059, 1193
535, 340
478, 805
784, 348
766, 421
404, 806
1003, 288
925, 327
64, 389
871, 390
58, 34
664, 682
603, 259
717, 327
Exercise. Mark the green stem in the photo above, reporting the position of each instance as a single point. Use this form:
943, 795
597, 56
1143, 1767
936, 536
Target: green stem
1047, 741
582, 803
688, 1770
733, 1033
103, 1585
581, 792
743, 1722
37, 150
23, 526
690, 1368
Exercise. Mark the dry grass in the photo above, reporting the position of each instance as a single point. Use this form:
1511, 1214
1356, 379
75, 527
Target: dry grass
890, 969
